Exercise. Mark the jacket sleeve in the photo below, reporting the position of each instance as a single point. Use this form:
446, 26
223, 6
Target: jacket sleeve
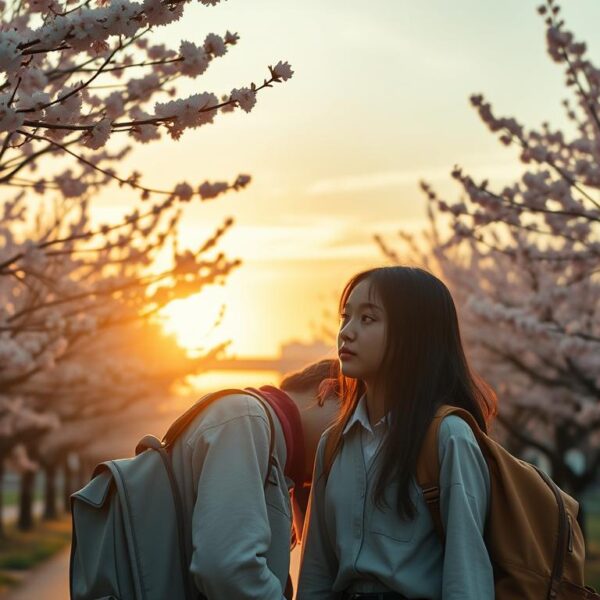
318, 564
230, 526
465, 493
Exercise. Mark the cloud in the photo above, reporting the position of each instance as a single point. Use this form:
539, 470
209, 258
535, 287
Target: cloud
390, 179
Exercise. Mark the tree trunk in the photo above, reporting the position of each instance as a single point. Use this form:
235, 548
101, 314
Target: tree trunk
582, 523
2, 530
50, 507
68, 485
565, 477
25, 522
581, 484
85, 472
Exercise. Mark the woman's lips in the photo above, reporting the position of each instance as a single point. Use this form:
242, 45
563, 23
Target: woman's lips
346, 354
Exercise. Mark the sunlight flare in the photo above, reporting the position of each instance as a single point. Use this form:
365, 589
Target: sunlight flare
197, 321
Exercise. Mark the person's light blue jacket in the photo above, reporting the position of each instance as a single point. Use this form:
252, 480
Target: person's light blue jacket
240, 530
351, 544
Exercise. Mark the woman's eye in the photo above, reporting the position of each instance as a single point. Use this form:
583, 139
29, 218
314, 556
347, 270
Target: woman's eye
367, 319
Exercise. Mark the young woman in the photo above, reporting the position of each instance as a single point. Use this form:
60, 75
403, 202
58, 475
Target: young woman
369, 533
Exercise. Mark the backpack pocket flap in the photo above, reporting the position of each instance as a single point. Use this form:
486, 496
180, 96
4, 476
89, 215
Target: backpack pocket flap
96, 491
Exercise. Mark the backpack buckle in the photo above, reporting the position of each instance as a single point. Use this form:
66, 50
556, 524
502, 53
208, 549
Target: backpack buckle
148, 442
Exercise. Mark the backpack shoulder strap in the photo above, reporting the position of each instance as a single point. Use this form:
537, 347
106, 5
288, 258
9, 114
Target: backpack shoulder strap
267, 410
181, 423
428, 463
132, 545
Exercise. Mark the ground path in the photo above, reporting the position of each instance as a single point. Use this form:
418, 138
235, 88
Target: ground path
48, 581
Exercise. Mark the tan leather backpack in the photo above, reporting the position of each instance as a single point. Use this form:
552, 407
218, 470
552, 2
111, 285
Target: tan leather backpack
532, 535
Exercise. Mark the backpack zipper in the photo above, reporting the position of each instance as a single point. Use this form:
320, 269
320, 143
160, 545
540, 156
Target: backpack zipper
561, 545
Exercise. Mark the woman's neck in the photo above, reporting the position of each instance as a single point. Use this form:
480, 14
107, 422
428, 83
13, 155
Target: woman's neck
375, 403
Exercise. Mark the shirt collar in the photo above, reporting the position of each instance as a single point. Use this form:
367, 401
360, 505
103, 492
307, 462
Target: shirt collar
361, 415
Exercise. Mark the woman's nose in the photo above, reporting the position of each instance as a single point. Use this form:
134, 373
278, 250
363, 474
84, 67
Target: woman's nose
346, 332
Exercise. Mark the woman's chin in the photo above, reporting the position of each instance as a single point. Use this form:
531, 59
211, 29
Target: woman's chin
349, 370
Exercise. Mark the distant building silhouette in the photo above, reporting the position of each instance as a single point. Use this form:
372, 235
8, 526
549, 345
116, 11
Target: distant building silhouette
292, 356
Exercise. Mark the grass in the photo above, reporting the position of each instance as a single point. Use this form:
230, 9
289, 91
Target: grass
592, 566
11, 497
20, 551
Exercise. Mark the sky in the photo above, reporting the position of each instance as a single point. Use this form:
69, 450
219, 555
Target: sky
378, 101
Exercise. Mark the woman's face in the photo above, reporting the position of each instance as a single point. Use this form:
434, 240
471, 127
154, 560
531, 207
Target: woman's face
361, 338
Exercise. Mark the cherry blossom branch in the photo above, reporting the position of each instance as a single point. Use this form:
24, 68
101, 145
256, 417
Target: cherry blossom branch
585, 97
57, 73
241, 182
68, 95
552, 22
587, 382
124, 66
468, 181
140, 282
103, 230
32, 157
518, 434
46, 50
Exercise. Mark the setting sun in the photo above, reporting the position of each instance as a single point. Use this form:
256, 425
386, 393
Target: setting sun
194, 320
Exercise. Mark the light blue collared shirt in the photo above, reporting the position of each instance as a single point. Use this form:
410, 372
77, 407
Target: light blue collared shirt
351, 544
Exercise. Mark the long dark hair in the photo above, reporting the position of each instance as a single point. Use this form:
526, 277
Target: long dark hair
424, 366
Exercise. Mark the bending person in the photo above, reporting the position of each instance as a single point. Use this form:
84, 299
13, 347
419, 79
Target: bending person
236, 498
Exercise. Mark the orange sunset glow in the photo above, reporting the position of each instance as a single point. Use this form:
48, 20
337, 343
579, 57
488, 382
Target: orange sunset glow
336, 154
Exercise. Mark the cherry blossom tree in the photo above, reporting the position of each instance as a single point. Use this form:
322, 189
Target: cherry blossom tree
522, 261
114, 387
80, 85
